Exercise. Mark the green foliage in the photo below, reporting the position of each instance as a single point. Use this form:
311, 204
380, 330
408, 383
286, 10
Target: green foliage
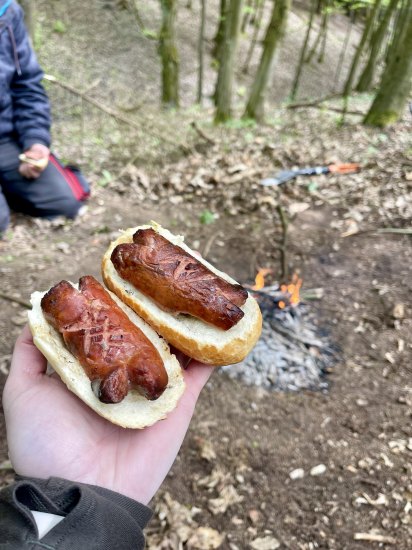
249, 9
207, 217
59, 27
105, 179
240, 123
151, 34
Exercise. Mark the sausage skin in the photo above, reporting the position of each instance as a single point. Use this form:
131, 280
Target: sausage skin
114, 352
177, 281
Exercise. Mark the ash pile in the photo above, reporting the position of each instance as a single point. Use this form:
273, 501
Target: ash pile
293, 352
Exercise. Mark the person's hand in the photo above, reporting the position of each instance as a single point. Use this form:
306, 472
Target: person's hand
51, 432
37, 151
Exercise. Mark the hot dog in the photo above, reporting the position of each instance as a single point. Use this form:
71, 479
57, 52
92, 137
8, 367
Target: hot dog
98, 345
195, 307
114, 352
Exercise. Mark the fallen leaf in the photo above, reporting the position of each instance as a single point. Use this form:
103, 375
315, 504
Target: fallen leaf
265, 543
228, 497
205, 448
205, 538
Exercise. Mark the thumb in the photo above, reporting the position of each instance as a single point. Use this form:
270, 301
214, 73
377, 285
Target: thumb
27, 364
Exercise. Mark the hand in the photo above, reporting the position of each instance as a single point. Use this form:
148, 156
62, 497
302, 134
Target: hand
51, 432
38, 152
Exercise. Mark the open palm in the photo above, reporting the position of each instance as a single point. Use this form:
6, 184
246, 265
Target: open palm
50, 432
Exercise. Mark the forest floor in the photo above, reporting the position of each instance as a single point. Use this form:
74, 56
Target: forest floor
231, 486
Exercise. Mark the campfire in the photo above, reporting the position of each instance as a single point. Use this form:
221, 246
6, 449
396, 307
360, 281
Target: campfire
293, 352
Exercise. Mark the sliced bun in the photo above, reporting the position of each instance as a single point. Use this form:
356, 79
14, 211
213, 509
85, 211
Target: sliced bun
194, 337
135, 411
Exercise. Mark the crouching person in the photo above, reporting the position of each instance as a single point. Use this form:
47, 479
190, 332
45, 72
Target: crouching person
32, 180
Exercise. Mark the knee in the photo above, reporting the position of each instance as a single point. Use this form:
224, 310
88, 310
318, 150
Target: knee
72, 208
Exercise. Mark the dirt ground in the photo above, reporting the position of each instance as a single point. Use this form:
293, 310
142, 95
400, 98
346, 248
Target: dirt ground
244, 477
231, 481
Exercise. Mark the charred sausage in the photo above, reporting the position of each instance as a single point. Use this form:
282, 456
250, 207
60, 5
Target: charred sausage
114, 352
177, 281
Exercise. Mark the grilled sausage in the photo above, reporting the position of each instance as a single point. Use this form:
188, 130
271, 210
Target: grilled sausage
177, 281
114, 352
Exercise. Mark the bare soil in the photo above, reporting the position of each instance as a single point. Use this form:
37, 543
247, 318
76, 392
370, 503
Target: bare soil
231, 482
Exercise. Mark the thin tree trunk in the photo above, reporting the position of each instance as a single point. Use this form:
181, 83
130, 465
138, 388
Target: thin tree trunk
396, 78
325, 28
274, 33
256, 29
200, 50
364, 38
220, 33
246, 16
366, 78
303, 51
343, 52
169, 55
227, 62
321, 33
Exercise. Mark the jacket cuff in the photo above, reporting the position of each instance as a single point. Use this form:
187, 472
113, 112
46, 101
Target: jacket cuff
94, 518
27, 142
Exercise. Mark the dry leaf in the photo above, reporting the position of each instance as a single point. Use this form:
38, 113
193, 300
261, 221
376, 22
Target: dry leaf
228, 497
206, 450
205, 538
265, 543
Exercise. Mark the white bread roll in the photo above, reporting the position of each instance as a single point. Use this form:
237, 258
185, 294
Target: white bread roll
193, 336
135, 411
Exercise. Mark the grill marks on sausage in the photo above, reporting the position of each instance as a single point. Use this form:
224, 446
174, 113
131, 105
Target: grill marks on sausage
114, 352
177, 281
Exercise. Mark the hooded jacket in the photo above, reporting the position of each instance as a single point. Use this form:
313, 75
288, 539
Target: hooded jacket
24, 106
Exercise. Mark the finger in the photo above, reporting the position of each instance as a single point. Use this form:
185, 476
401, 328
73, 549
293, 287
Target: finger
27, 362
196, 376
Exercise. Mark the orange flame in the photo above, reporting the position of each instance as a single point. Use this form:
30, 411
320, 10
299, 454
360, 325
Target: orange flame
292, 289
260, 278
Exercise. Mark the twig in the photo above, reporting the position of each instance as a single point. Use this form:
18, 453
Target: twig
113, 113
15, 300
314, 102
381, 231
327, 108
201, 133
374, 537
282, 248
209, 244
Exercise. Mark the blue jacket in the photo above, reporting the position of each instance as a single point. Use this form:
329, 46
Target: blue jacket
24, 106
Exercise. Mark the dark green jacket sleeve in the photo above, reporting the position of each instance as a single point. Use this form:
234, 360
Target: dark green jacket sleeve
94, 518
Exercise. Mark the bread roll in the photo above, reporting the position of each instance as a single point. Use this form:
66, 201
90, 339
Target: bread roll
194, 337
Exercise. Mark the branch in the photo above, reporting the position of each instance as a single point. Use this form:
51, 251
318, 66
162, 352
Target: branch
201, 133
19, 301
112, 113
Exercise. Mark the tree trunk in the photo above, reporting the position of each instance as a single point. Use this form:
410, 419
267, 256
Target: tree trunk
224, 83
366, 79
29, 11
246, 16
396, 78
220, 33
364, 38
274, 32
200, 50
343, 51
321, 35
169, 55
256, 29
303, 51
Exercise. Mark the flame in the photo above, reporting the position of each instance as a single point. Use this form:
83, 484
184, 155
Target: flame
260, 278
292, 289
